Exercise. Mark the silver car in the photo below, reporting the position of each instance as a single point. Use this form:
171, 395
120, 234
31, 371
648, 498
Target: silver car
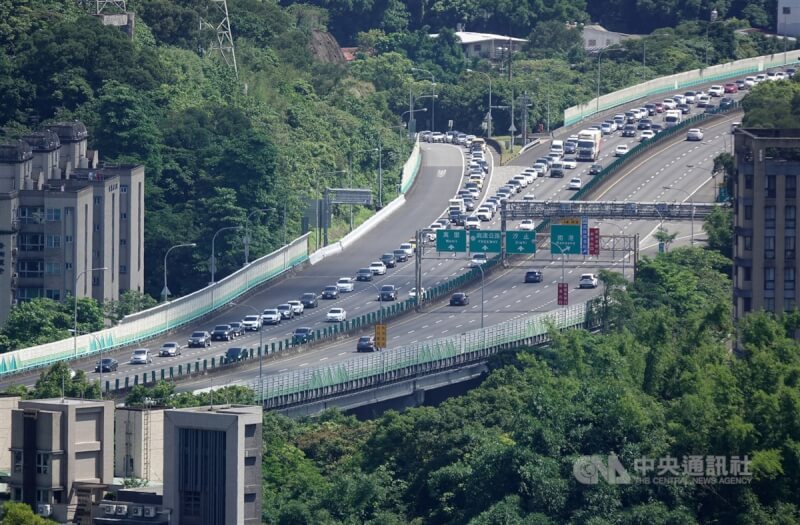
141, 356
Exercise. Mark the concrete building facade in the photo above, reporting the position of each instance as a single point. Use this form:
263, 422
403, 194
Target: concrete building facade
788, 18
139, 438
61, 214
61, 455
488, 45
212, 465
765, 262
596, 37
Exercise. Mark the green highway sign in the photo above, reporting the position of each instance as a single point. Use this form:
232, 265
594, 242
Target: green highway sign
487, 241
451, 241
520, 242
565, 239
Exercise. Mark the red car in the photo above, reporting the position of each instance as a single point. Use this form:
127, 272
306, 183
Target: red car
731, 88
659, 107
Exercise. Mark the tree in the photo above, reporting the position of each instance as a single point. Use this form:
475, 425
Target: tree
663, 236
21, 514
130, 302
772, 105
613, 284
719, 228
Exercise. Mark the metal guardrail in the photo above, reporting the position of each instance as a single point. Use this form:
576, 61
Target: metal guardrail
674, 211
302, 386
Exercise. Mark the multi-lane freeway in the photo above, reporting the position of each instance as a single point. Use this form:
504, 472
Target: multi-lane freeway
505, 295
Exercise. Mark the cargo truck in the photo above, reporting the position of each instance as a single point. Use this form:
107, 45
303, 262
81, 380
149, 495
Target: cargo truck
672, 118
589, 144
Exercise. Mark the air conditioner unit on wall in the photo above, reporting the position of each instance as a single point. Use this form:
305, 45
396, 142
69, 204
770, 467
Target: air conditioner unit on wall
108, 509
149, 512
44, 510
122, 510
136, 512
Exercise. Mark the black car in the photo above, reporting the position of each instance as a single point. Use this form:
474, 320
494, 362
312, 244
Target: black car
570, 147
302, 335
741, 84
685, 108
651, 109
710, 108
400, 255
330, 292
469, 204
389, 260
235, 353
459, 299
595, 169
222, 332
108, 365
643, 124
725, 103
309, 300
457, 218
364, 274
657, 128
388, 292
629, 130
533, 276
202, 339
365, 343
237, 327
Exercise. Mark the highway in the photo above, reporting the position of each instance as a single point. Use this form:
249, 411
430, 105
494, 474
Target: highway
505, 295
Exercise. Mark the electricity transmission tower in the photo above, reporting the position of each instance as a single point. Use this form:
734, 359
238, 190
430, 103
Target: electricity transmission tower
224, 38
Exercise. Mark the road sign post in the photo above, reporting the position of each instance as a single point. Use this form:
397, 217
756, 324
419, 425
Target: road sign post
567, 237
520, 242
563, 294
487, 241
594, 241
451, 241
380, 335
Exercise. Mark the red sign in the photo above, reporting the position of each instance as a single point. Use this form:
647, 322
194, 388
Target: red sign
594, 241
563, 294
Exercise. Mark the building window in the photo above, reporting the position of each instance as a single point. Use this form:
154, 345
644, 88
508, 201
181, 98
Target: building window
769, 186
98, 201
29, 292
31, 242
17, 496
42, 496
190, 504
30, 269
123, 188
787, 11
123, 216
788, 305
42, 463
30, 214
95, 281
592, 43
748, 274
769, 304
748, 242
97, 227
53, 294
769, 278
17, 460
52, 268
477, 47
769, 217
748, 182
748, 213
68, 266
68, 239
123, 242
791, 187
788, 278
53, 215
769, 247
747, 305
791, 217
53, 241
123, 269
789, 247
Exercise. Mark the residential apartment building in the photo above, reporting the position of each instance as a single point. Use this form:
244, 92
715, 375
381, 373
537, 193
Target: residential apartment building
61, 455
212, 465
63, 213
765, 262
788, 18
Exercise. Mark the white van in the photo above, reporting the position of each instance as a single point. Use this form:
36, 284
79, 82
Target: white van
557, 147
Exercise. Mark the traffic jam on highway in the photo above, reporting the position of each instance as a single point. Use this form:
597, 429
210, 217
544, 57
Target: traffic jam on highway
475, 206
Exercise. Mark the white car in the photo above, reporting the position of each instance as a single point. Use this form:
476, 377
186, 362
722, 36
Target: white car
408, 248
703, 100
529, 197
297, 306
336, 315
750, 81
272, 316
694, 134
588, 280
761, 77
346, 284
526, 225
523, 180
170, 349
413, 293
141, 356
478, 259
556, 156
484, 213
472, 223
621, 150
569, 164
669, 103
575, 183
378, 268
680, 99
716, 91
690, 97
646, 134
251, 323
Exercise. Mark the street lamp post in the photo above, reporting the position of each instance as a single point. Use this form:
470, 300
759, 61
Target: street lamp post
480, 267
100, 346
621, 231
489, 116
563, 274
597, 100
261, 350
165, 292
691, 201
247, 236
712, 19
433, 95
213, 251
75, 306
410, 114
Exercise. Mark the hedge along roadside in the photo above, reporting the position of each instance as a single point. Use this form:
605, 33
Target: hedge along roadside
161, 318
677, 81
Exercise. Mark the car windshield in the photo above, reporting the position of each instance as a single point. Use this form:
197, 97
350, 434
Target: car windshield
221, 327
251, 318
198, 334
284, 307
169, 345
387, 288
330, 288
336, 310
140, 351
308, 296
302, 330
364, 270
106, 361
364, 339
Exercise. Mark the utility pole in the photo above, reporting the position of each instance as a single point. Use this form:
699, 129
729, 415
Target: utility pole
418, 270
503, 229
525, 119
380, 173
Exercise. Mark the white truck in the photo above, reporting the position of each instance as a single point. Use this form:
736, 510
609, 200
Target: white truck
672, 117
456, 204
589, 144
